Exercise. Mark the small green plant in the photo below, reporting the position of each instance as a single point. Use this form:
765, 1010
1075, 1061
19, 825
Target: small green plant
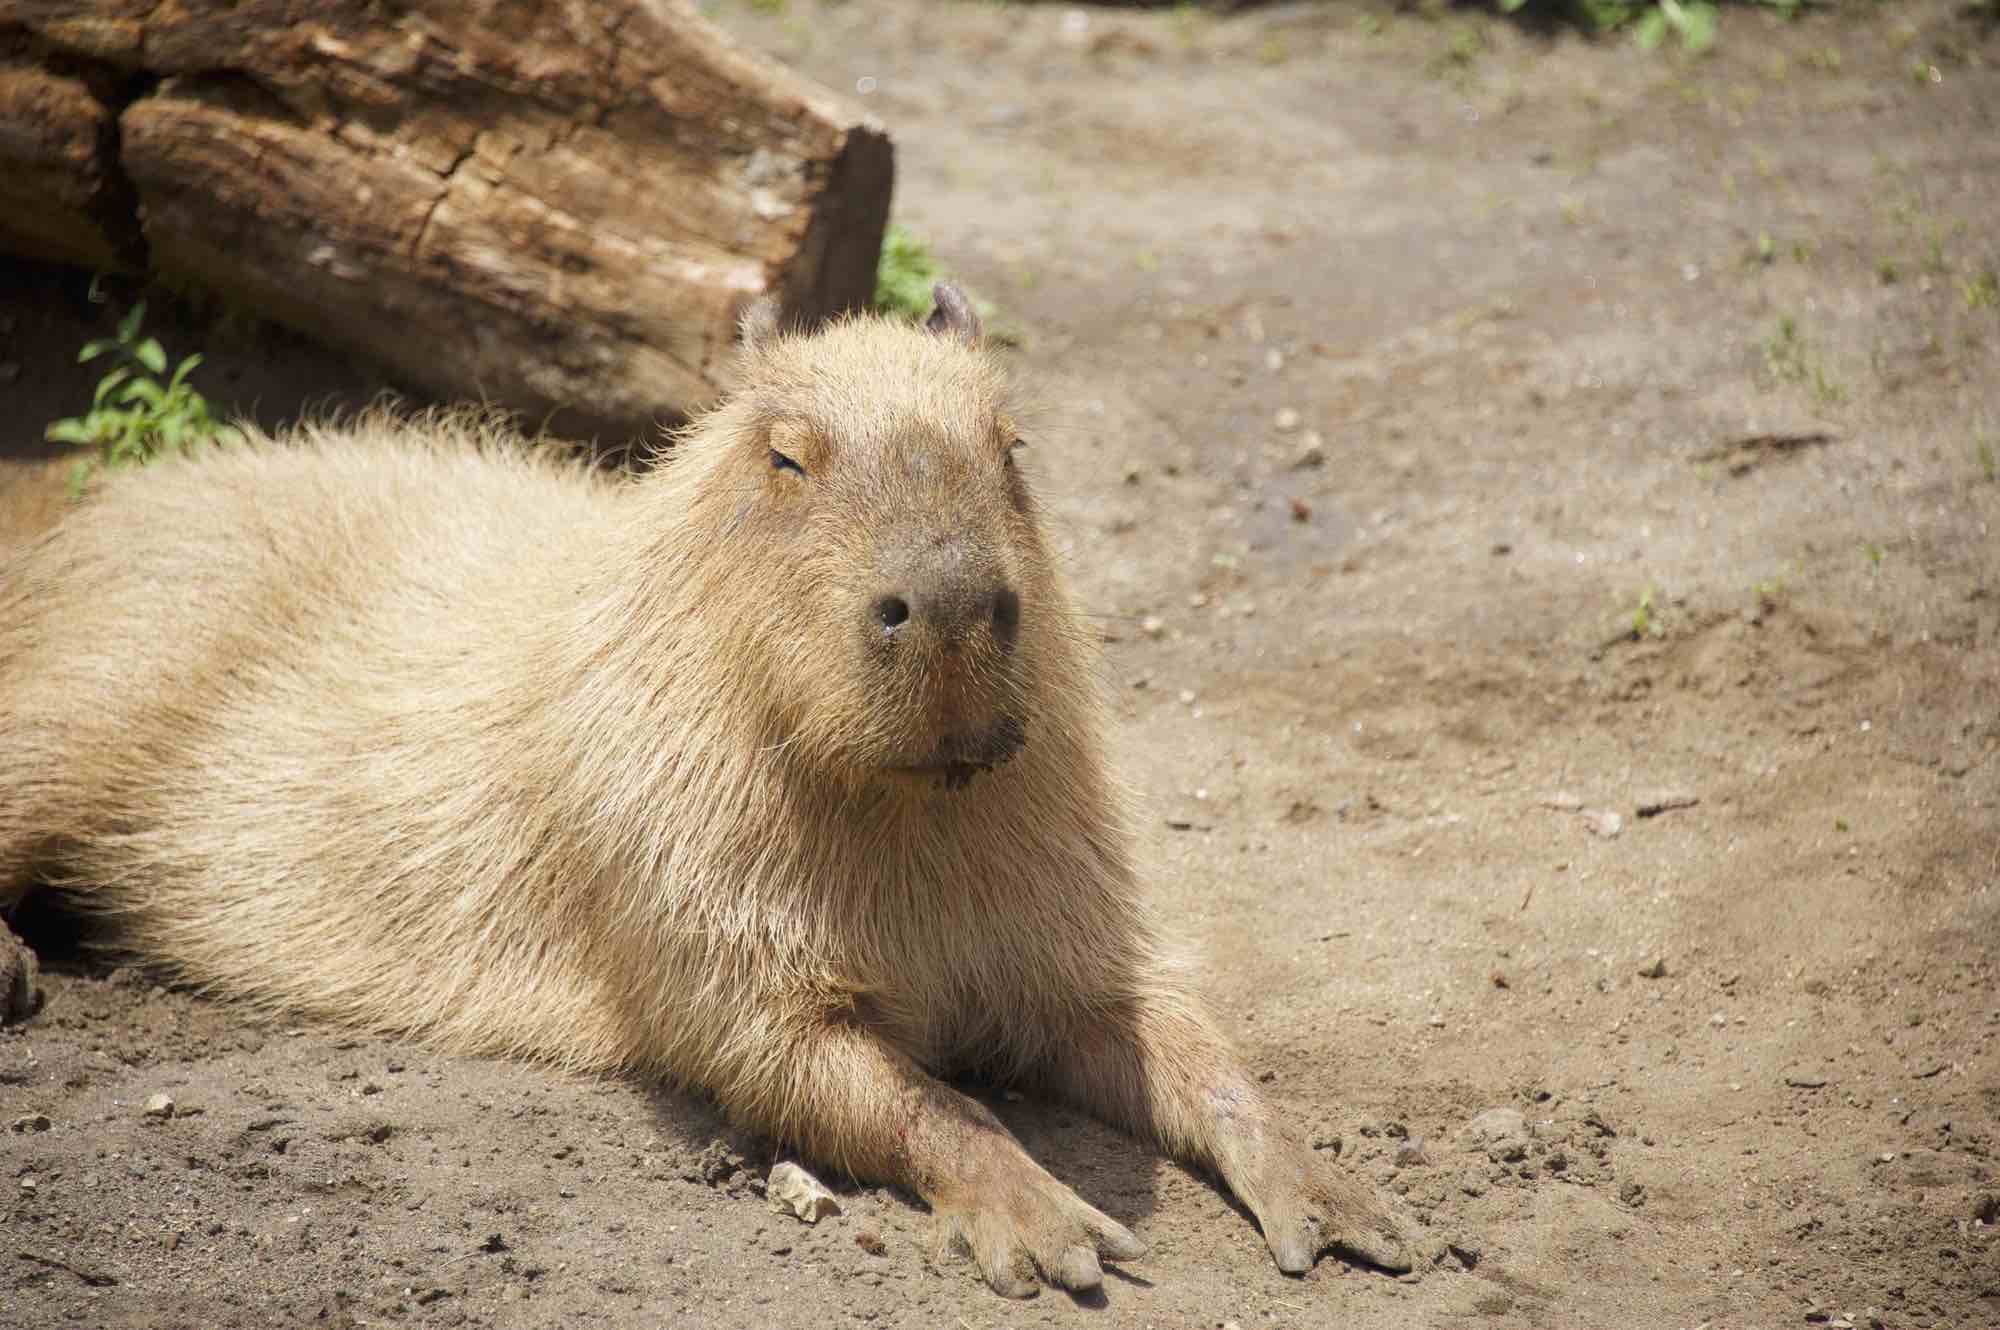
1785, 351
133, 416
1463, 47
1982, 451
1935, 262
905, 274
1693, 23
1789, 359
1645, 623
1769, 593
1982, 290
1873, 553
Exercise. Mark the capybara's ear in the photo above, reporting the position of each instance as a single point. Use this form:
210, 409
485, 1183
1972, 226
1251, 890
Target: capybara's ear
954, 315
759, 322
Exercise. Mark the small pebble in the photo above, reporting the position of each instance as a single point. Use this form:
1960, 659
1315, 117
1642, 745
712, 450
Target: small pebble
1654, 969
1312, 451
1603, 822
1153, 626
159, 1106
32, 1122
1286, 420
1496, 1126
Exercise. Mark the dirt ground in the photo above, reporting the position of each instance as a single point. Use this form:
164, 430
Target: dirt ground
1539, 498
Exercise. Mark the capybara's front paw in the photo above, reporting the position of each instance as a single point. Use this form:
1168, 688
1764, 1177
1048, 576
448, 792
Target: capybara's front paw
1022, 1228
1306, 1206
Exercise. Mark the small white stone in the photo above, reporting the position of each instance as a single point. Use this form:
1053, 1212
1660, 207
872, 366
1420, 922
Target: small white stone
1603, 821
793, 1191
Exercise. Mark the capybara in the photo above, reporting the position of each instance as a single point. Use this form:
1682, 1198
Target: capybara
776, 771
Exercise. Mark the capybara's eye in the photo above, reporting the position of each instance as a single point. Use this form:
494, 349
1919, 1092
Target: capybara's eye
780, 462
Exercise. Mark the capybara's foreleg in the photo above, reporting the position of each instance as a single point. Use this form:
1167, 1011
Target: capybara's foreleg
842, 1095
1156, 1066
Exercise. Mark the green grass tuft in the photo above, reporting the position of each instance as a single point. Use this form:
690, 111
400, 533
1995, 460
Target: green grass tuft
905, 274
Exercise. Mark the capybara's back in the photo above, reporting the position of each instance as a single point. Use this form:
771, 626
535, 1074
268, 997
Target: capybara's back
246, 697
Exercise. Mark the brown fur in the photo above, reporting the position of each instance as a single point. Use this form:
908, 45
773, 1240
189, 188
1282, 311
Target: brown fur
418, 731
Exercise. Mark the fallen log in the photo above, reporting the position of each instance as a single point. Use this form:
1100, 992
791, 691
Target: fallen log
556, 206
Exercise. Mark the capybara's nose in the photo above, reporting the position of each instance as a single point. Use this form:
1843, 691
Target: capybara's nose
949, 595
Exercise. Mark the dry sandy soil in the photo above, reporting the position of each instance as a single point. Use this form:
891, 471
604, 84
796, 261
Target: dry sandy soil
1422, 419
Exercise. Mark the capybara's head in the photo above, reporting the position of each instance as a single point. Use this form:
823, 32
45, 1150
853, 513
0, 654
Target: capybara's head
883, 582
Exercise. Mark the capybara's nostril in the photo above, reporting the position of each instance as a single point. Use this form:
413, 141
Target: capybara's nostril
892, 612
1006, 618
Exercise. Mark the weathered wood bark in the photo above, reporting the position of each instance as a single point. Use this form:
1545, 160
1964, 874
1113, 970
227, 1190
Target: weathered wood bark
60, 198
560, 206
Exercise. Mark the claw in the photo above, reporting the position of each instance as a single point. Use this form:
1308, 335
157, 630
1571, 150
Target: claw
1293, 1252
1010, 1285
1119, 1243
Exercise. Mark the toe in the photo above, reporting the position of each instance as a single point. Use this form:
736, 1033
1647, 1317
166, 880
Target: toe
1292, 1247
1385, 1250
1117, 1242
1076, 1269
1360, 1228
1001, 1261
